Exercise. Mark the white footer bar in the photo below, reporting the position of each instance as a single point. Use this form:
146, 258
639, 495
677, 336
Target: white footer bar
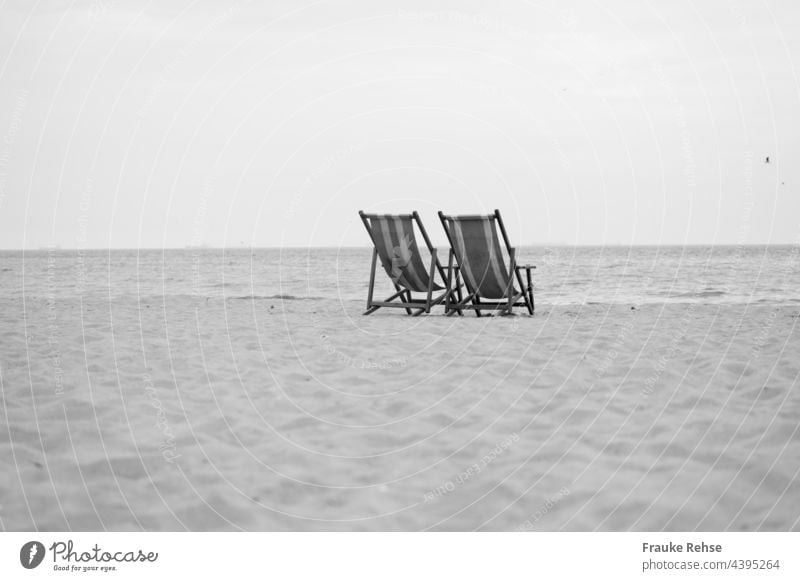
400, 556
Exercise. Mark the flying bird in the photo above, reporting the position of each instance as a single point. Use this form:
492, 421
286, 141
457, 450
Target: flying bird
766, 160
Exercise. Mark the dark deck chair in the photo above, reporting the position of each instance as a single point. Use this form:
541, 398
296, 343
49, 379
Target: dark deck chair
396, 245
475, 244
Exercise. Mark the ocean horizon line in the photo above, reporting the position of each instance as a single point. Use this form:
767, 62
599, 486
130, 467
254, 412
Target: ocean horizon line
369, 247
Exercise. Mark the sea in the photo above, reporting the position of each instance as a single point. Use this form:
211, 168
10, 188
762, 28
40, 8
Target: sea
564, 275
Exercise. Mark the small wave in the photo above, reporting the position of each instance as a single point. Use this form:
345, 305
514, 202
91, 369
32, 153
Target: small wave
700, 294
276, 298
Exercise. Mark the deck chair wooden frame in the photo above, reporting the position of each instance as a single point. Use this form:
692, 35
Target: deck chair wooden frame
501, 281
405, 282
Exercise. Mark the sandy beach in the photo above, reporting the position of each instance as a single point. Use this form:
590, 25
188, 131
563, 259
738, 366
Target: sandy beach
269, 414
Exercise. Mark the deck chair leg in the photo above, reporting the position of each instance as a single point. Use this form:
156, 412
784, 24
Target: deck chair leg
430, 281
450, 290
458, 292
510, 290
531, 308
408, 299
459, 306
370, 308
404, 295
449, 282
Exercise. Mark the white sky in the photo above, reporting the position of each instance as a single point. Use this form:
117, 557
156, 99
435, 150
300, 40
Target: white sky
230, 124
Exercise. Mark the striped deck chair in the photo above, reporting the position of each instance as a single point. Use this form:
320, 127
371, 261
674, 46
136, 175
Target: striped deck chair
475, 245
396, 245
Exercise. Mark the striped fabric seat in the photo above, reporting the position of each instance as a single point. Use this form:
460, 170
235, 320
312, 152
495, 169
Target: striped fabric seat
394, 239
493, 284
478, 252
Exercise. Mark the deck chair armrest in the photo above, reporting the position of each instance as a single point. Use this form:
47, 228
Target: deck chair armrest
455, 270
512, 251
528, 276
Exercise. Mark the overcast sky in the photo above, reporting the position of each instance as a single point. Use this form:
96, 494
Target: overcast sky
236, 124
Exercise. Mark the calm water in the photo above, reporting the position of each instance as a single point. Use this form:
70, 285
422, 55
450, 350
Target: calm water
564, 275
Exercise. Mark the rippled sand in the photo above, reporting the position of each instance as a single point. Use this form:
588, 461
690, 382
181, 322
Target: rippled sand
265, 414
